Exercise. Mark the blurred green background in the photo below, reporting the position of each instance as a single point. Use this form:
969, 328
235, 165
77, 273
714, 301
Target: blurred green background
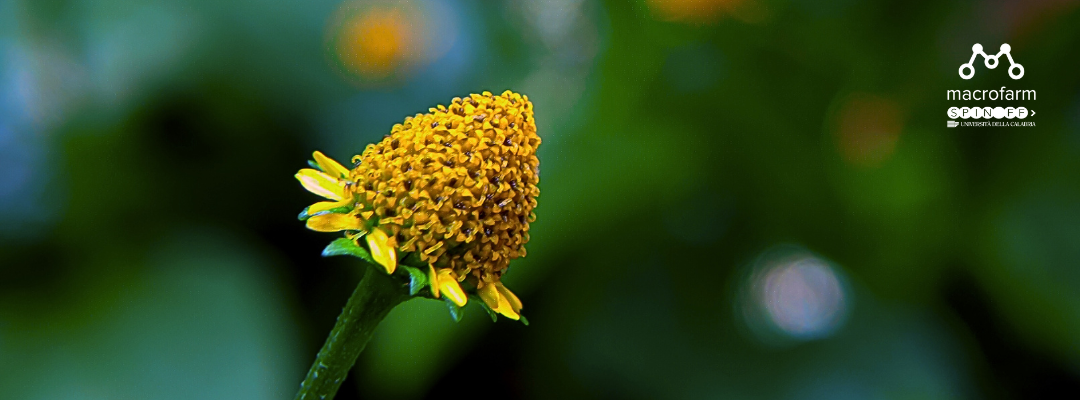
740, 199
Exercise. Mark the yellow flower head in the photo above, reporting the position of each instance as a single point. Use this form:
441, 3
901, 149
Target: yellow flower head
452, 190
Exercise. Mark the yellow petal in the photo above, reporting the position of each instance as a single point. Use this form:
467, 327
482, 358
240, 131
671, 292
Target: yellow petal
327, 205
381, 250
433, 278
334, 222
449, 286
330, 166
506, 309
490, 295
321, 184
515, 303
498, 303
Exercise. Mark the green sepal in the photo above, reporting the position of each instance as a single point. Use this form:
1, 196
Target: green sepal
339, 210
522, 318
371, 223
412, 259
315, 165
346, 247
491, 313
418, 279
455, 312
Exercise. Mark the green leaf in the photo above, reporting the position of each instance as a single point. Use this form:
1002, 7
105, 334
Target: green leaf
455, 312
522, 319
315, 165
418, 279
346, 247
304, 215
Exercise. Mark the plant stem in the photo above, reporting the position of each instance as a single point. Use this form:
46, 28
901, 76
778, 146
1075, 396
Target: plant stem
374, 297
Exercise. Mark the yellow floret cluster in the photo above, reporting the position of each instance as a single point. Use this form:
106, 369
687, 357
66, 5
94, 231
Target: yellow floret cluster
456, 185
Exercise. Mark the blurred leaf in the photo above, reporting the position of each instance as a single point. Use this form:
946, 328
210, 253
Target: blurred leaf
204, 319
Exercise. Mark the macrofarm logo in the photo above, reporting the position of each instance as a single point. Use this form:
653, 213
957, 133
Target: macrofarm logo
977, 50
998, 96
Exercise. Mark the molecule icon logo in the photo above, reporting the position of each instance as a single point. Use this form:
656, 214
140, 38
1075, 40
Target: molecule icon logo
991, 61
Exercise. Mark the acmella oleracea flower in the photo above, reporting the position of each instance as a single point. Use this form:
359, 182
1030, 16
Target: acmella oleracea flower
448, 195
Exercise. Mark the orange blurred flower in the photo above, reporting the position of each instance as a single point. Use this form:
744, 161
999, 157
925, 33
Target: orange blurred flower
375, 42
693, 11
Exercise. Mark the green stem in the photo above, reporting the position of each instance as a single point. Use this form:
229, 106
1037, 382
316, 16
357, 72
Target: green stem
374, 297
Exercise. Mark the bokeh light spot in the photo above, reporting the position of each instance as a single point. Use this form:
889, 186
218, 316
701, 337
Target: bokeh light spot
803, 298
792, 294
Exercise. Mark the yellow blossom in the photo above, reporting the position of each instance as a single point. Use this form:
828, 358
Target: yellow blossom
454, 188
